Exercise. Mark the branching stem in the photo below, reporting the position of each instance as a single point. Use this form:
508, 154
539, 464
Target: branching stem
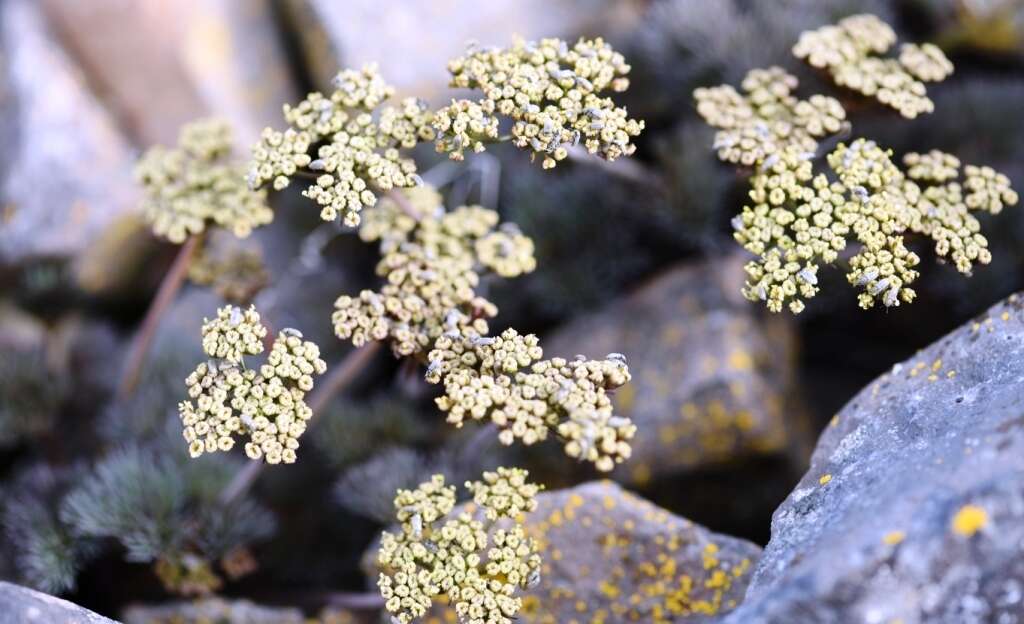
169, 287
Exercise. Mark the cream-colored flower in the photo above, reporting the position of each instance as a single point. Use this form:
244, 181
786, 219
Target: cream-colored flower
197, 182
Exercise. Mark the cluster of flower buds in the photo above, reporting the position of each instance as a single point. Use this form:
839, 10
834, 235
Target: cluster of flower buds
767, 119
551, 91
235, 273
944, 204
479, 564
267, 404
504, 379
798, 221
356, 142
849, 51
432, 261
197, 182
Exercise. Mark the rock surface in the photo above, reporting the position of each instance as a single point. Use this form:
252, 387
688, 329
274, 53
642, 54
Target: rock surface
212, 57
610, 556
212, 610
65, 170
712, 382
20, 605
913, 508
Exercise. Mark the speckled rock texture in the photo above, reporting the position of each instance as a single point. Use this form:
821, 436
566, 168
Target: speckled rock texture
21, 605
65, 168
712, 381
211, 610
221, 57
611, 556
913, 508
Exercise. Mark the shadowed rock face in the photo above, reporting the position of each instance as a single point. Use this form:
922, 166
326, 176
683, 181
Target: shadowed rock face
65, 170
20, 605
913, 508
611, 556
712, 382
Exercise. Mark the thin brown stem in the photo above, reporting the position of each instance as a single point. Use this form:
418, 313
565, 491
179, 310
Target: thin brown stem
340, 378
169, 287
403, 202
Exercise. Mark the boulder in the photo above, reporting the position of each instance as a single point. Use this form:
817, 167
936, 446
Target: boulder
21, 605
913, 508
212, 57
65, 169
611, 556
713, 382
211, 610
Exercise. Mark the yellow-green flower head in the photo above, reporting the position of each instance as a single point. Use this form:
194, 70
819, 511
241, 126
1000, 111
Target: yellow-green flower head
267, 403
197, 182
552, 92
234, 334
503, 379
463, 125
767, 119
798, 221
235, 273
479, 567
849, 52
432, 262
357, 142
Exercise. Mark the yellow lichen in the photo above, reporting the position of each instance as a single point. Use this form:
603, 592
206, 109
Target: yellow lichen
968, 520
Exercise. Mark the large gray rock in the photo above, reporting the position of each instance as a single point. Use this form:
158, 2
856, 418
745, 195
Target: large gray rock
712, 381
211, 610
20, 605
611, 556
160, 65
913, 508
65, 170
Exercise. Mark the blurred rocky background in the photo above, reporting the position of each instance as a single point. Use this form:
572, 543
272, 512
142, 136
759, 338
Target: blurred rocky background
100, 505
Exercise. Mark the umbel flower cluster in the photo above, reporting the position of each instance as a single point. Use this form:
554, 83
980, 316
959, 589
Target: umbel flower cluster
354, 141
552, 93
849, 52
767, 119
800, 218
432, 262
505, 380
188, 186
478, 556
349, 143
227, 399
235, 273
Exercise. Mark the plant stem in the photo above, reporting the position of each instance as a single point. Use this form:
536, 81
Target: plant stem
403, 203
169, 287
338, 380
